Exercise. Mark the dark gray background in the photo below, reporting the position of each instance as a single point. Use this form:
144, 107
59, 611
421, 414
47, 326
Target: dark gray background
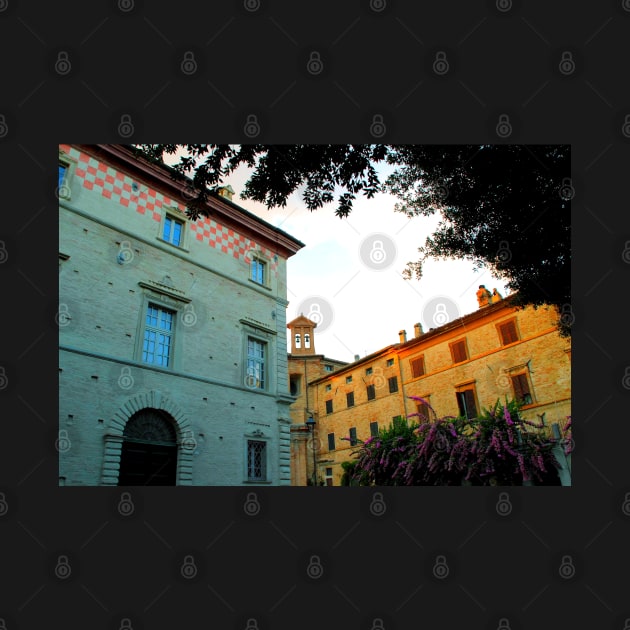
252, 59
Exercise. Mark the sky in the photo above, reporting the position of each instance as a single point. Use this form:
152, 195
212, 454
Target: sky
348, 277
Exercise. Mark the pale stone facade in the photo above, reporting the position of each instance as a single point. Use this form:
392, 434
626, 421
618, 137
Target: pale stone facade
173, 356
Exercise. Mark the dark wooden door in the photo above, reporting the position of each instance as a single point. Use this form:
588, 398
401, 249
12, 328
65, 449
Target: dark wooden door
149, 450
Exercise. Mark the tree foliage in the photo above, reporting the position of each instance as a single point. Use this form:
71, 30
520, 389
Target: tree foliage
505, 207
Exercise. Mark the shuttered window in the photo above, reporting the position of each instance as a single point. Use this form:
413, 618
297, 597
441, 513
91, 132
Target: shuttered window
508, 332
417, 367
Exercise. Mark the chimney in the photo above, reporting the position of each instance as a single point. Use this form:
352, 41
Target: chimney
417, 329
403, 336
226, 191
356, 357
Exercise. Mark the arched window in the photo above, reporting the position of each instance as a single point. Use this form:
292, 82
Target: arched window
307, 340
297, 340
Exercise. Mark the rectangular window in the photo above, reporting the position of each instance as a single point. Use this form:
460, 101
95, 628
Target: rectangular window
424, 412
353, 436
417, 367
328, 368
256, 460
350, 399
331, 441
348, 379
390, 362
508, 332
255, 377
458, 351
393, 384
371, 392
329, 406
329, 481
158, 336
328, 387
368, 371
295, 381
172, 231
257, 269
466, 403
63, 169
522, 390
374, 429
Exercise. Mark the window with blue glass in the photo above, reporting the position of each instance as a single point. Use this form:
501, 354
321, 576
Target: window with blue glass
255, 377
158, 336
172, 231
63, 169
258, 271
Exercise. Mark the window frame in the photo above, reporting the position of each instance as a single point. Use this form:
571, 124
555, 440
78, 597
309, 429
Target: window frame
157, 329
369, 371
296, 378
256, 257
328, 387
265, 363
265, 474
352, 432
331, 442
329, 406
349, 399
174, 215
393, 380
389, 363
348, 379
462, 389
373, 426
525, 375
415, 361
64, 189
459, 343
501, 325
371, 389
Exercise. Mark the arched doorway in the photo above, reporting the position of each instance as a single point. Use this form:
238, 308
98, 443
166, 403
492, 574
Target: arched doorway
148, 455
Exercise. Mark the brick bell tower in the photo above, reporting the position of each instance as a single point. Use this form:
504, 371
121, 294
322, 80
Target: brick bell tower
302, 336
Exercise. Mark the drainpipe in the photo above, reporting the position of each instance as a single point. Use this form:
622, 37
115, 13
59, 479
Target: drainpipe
402, 386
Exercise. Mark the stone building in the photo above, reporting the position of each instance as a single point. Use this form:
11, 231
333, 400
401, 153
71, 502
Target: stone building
172, 331
304, 366
460, 368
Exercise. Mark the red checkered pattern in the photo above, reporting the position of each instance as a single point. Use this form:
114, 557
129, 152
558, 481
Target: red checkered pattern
117, 186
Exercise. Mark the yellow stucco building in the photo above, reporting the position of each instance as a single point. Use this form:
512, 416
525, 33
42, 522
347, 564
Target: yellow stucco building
495, 352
